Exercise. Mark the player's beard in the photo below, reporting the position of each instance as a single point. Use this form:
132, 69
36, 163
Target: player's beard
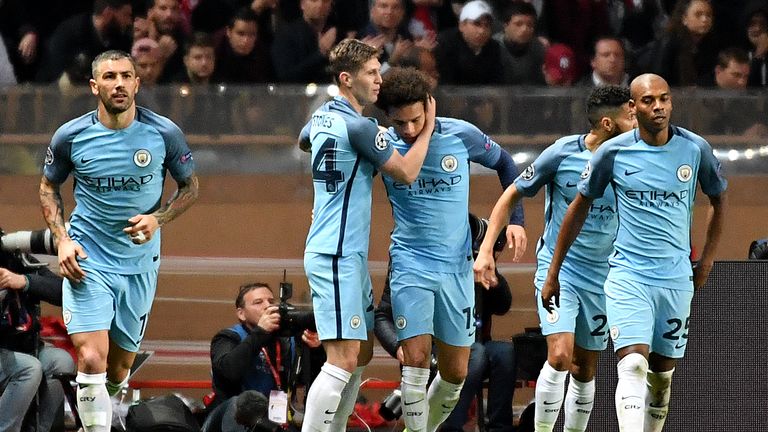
115, 108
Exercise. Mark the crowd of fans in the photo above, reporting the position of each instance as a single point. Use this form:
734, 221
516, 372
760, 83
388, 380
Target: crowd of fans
500, 42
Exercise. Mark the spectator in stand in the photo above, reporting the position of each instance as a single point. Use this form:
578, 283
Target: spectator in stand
756, 14
387, 31
300, 51
21, 34
732, 70
522, 53
146, 54
576, 23
686, 54
242, 57
164, 25
467, 54
560, 67
428, 17
89, 34
211, 16
199, 61
636, 21
423, 60
608, 64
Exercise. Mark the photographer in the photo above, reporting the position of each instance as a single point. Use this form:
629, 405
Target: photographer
257, 354
26, 364
490, 359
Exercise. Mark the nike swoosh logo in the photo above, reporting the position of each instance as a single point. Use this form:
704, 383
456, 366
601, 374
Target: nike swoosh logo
629, 397
680, 346
85, 161
329, 412
552, 403
569, 184
629, 173
578, 402
471, 334
411, 403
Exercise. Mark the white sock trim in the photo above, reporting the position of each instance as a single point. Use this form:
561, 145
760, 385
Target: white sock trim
91, 379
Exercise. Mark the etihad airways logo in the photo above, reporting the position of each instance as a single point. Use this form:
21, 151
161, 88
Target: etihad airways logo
117, 184
655, 198
424, 186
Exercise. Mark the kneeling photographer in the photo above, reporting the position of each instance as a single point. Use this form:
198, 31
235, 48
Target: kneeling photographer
27, 365
264, 352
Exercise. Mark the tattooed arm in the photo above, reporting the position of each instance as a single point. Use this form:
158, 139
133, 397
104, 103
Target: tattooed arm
68, 250
143, 227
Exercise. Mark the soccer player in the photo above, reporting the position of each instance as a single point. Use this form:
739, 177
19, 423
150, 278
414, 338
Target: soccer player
431, 279
576, 330
650, 284
347, 149
118, 156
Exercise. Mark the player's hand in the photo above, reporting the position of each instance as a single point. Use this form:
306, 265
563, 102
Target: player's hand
701, 274
310, 338
517, 240
550, 294
11, 280
400, 355
69, 253
141, 228
270, 319
429, 118
485, 270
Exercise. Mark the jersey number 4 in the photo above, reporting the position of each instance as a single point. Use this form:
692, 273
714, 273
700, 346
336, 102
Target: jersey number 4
324, 166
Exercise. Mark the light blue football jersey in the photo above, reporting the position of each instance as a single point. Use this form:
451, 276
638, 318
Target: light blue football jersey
655, 188
431, 229
558, 169
117, 174
347, 148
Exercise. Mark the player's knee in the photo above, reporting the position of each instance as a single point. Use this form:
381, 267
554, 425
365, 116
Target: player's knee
633, 365
560, 358
660, 380
453, 372
91, 360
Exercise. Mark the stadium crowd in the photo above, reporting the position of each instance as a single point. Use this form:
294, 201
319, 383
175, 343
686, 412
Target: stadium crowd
501, 42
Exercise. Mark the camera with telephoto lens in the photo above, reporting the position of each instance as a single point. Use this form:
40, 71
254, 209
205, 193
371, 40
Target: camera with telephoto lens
36, 242
293, 319
391, 407
478, 227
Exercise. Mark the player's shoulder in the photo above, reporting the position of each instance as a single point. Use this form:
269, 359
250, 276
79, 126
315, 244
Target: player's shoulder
686, 134
72, 128
164, 125
454, 126
568, 144
619, 142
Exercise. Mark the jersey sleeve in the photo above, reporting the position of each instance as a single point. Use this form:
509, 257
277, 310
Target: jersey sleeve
178, 156
598, 172
304, 142
540, 172
710, 177
372, 143
58, 156
481, 148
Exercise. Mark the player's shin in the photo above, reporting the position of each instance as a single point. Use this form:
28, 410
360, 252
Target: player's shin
579, 401
630, 392
549, 397
657, 399
442, 397
413, 386
117, 393
323, 398
93, 402
347, 403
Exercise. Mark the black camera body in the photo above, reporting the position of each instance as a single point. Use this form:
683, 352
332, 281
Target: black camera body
478, 228
293, 319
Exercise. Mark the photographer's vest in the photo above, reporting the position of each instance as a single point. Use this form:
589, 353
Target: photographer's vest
264, 375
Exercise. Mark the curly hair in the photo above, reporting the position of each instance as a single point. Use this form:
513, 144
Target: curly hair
403, 86
349, 55
604, 101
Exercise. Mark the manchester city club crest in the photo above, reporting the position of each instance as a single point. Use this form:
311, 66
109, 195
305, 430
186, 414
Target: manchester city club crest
587, 170
355, 322
449, 163
142, 158
684, 173
400, 322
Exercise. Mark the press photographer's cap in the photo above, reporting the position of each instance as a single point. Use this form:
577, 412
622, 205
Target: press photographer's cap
475, 10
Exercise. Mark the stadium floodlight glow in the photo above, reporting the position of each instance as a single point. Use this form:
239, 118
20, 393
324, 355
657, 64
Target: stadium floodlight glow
733, 155
271, 88
184, 91
763, 151
332, 90
521, 157
311, 89
749, 153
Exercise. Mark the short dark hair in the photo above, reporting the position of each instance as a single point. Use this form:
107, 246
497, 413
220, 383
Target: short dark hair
100, 5
403, 86
110, 55
200, 40
349, 55
518, 8
593, 48
243, 14
736, 54
604, 101
246, 288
